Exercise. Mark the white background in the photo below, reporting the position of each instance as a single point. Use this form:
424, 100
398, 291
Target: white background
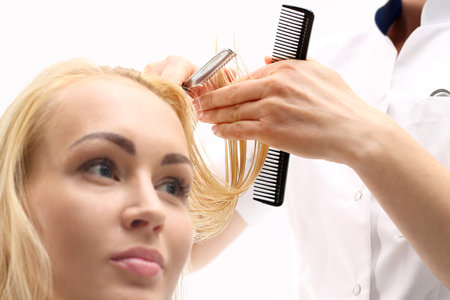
34, 34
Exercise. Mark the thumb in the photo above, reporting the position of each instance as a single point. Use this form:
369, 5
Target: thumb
268, 60
174, 68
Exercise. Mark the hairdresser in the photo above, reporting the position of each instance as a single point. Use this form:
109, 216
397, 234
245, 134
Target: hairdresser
368, 124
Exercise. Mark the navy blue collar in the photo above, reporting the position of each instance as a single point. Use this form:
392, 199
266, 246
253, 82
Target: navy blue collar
433, 12
386, 14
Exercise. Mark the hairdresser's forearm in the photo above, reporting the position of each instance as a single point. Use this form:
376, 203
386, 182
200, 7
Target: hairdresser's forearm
414, 190
206, 251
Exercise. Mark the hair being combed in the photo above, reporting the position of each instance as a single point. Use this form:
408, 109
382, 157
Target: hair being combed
25, 270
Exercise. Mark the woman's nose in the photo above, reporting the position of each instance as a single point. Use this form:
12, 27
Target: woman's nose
145, 211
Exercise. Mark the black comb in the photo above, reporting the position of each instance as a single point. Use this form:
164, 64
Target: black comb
291, 42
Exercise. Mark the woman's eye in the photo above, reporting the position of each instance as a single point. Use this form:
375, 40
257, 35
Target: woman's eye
174, 187
101, 167
102, 170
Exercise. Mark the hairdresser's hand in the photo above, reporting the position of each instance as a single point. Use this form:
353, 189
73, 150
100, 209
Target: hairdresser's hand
176, 69
301, 107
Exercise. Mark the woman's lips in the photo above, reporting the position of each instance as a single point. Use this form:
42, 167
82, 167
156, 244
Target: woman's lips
142, 261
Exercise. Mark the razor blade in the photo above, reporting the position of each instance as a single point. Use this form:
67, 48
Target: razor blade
209, 69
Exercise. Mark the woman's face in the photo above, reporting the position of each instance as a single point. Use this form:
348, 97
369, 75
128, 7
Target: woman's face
108, 188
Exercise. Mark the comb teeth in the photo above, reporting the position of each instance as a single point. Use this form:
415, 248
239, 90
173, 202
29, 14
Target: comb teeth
291, 42
222, 61
294, 29
270, 184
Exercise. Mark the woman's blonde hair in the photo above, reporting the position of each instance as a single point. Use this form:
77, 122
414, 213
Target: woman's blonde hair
25, 271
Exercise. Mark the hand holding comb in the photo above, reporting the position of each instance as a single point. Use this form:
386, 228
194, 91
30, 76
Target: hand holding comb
291, 42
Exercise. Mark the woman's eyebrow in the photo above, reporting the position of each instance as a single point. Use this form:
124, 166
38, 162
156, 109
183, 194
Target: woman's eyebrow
175, 158
117, 139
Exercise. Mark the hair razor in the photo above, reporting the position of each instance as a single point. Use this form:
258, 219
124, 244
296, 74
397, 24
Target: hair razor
209, 69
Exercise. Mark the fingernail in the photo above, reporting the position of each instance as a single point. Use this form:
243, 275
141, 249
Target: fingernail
215, 130
201, 115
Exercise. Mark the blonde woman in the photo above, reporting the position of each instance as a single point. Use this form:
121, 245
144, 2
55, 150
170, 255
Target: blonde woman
103, 188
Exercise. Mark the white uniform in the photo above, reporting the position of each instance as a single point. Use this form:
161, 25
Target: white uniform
347, 246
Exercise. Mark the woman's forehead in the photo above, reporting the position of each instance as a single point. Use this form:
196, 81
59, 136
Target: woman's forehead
108, 93
103, 85
105, 104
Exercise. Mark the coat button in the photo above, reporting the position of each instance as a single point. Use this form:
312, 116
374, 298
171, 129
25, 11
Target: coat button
357, 290
358, 196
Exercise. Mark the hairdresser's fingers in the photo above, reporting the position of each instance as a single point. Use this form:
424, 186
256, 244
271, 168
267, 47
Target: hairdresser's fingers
268, 60
269, 81
242, 130
178, 72
239, 112
240, 92
174, 68
154, 68
291, 68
